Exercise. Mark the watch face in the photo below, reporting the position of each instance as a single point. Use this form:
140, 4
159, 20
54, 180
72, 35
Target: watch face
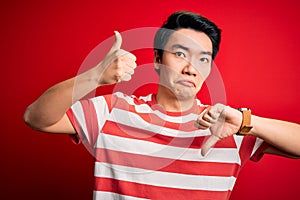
242, 109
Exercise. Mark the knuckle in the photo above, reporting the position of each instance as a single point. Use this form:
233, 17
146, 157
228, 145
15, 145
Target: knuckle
127, 78
131, 72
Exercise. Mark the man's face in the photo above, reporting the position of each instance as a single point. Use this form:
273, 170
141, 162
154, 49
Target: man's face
186, 62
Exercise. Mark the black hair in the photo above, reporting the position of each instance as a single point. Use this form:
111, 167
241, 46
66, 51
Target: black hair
186, 19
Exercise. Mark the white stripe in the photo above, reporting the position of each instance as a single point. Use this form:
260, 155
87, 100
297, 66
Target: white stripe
134, 120
145, 108
102, 110
79, 114
178, 119
257, 144
238, 140
221, 155
127, 98
99, 195
146, 98
199, 103
164, 179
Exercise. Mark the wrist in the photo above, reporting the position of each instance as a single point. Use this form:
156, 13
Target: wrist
88, 81
255, 120
96, 75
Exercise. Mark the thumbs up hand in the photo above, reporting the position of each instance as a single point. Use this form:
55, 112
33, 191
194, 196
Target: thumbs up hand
118, 65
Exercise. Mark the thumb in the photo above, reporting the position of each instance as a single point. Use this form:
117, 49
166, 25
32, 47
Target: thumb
208, 144
117, 44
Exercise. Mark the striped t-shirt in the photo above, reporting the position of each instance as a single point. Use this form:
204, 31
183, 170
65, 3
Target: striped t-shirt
144, 152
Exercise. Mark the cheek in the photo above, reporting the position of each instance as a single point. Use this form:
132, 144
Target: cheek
166, 74
204, 72
172, 63
202, 78
171, 69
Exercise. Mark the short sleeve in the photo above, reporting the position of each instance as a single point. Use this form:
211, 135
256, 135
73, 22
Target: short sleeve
87, 118
258, 150
251, 148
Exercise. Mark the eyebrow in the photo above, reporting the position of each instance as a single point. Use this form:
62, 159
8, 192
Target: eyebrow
175, 46
187, 49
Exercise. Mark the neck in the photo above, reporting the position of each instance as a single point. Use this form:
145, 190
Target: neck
171, 103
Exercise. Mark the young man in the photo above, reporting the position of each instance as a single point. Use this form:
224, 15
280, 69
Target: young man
149, 147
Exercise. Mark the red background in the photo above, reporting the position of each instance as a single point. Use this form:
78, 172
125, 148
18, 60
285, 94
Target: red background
44, 42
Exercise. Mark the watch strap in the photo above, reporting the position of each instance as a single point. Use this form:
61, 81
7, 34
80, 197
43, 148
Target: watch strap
246, 121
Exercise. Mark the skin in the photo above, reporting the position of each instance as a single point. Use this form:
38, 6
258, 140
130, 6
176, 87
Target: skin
48, 112
183, 68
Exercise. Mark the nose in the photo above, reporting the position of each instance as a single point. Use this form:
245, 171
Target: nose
189, 68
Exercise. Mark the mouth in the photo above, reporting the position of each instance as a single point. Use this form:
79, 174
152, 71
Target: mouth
187, 83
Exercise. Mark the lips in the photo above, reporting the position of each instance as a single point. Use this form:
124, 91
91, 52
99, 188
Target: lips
187, 83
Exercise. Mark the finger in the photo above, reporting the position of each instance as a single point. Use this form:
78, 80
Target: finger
126, 55
131, 65
208, 118
199, 126
203, 122
130, 72
214, 112
208, 144
121, 53
126, 77
117, 44
213, 115
129, 59
131, 56
217, 110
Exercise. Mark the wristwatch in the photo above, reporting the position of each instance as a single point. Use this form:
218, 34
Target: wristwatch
246, 121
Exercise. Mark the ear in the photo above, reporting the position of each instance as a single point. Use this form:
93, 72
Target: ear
157, 60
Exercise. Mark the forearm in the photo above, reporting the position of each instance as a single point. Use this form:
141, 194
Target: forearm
283, 135
53, 103
47, 113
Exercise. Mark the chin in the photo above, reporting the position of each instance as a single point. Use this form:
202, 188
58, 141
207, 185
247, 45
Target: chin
185, 95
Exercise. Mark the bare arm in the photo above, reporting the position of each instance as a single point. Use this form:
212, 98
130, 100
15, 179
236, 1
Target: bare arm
224, 121
47, 113
283, 136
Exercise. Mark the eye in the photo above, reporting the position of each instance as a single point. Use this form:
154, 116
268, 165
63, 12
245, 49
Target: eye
204, 60
180, 54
